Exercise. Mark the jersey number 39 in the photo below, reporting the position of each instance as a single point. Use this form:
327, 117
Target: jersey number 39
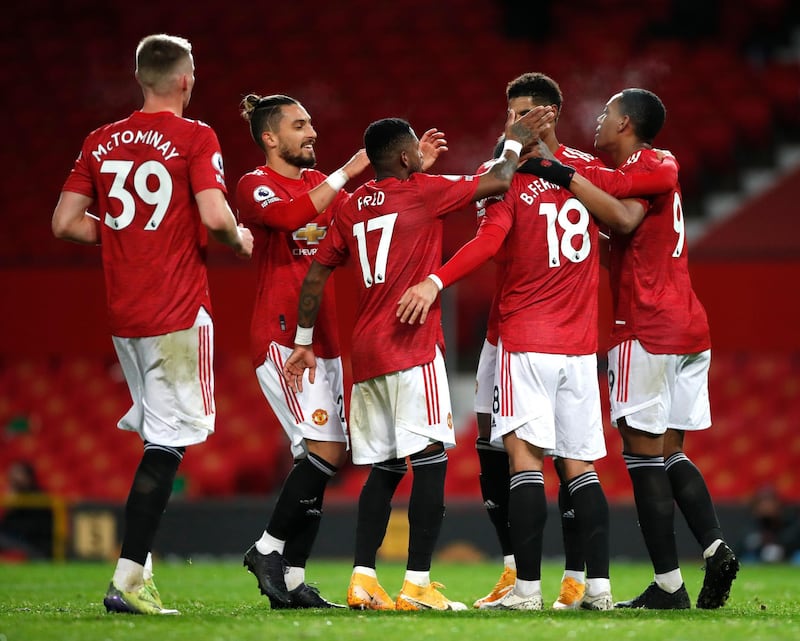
159, 198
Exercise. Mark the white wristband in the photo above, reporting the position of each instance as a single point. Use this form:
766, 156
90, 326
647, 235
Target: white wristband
304, 335
337, 180
437, 281
513, 145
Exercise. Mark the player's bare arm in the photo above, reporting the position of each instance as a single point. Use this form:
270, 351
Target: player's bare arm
416, 301
323, 194
432, 144
72, 222
519, 134
302, 357
216, 215
311, 293
621, 216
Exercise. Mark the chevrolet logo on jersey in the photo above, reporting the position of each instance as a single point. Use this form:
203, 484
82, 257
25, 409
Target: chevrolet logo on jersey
311, 233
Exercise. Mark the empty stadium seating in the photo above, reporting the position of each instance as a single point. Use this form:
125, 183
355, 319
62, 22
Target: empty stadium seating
62, 416
723, 91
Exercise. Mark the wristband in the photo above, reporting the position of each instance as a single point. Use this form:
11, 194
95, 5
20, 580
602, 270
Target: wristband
337, 180
304, 335
551, 170
513, 145
436, 281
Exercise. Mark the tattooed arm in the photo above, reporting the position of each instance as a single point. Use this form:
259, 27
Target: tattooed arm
519, 134
303, 358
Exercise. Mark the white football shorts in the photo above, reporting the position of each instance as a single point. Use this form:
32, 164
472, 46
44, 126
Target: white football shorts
551, 401
653, 392
401, 413
484, 379
171, 381
316, 413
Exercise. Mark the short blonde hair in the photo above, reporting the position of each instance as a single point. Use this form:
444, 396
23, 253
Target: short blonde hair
158, 56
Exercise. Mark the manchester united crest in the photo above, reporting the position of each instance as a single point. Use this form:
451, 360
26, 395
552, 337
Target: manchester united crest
450, 420
320, 417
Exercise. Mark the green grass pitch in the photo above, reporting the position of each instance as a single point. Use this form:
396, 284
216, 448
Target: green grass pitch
219, 600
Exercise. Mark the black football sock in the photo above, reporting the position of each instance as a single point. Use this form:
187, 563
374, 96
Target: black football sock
570, 532
374, 509
692, 496
591, 516
303, 488
425, 507
494, 489
298, 545
148, 498
656, 509
527, 513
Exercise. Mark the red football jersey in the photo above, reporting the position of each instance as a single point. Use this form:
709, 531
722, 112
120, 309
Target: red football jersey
493, 321
285, 247
548, 302
651, 289
393, 231
143, 173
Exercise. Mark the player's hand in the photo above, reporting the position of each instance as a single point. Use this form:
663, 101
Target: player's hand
245, 249
416, 301
301, 359
358, 163
539, 150
663, 153
431, 145
529, 128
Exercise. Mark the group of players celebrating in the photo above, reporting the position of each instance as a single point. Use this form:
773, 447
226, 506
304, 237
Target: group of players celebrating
549, 216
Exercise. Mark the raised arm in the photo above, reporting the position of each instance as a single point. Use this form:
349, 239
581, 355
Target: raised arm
431, 146
600, 188
519, 134
288, 215
622, 216
323, 194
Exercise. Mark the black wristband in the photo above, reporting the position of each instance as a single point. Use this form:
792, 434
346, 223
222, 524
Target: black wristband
551, 170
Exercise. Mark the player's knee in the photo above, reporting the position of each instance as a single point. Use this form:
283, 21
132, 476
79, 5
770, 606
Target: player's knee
573, 468
332, 452
434, 453
484, 422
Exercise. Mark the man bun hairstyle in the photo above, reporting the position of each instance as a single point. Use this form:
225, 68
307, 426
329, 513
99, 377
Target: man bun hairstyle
264, 113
